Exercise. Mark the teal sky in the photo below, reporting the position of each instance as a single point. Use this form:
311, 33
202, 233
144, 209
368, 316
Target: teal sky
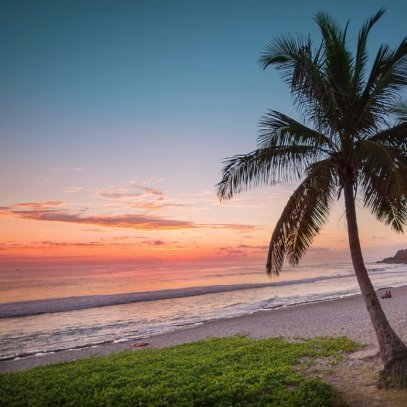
98, 94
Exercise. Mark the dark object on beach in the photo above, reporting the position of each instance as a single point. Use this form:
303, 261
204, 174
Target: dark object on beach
399, 258
352, 143
387, 294
139, 345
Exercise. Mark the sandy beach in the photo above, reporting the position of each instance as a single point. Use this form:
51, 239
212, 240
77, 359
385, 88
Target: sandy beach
346, 316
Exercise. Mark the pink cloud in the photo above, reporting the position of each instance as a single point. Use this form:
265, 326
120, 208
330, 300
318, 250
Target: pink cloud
44, 211
121, 221
155, 192
47, 244
231, 252
37, 205
74, 190
252, 247
118, 195
320, 250
124, 194
154, 242
146, 199
241, 250
232, 226
76, 169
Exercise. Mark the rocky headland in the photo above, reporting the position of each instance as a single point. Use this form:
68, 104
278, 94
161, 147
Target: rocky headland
399, 258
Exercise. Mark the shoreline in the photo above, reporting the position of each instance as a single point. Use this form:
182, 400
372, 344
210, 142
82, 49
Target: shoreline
337, 317
74, 303
140, 338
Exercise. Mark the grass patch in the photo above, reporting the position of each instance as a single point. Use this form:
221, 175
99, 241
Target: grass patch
236, 371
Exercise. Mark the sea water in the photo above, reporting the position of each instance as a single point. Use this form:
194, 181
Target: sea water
69, 307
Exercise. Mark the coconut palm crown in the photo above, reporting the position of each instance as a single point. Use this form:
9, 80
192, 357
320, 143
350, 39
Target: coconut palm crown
352, 142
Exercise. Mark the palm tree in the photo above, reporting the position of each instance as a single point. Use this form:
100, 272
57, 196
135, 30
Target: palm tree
353, 140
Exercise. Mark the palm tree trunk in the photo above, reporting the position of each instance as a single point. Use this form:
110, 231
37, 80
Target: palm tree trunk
392, 350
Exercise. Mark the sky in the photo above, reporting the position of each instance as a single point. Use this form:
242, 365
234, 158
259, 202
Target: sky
115, 117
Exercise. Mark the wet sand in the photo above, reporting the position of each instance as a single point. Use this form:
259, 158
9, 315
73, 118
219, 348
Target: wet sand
346, 316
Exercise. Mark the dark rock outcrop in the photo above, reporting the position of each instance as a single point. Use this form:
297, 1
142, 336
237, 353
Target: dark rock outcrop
399, 258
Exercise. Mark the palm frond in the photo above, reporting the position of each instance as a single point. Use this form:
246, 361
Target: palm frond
286, 149
395, 136
353, 134
361, 53
305, 213
290, 55
270, 165
400, 110
383, 176
302, 69
338, 59
286, 52
387, 209
279, 129
388, 77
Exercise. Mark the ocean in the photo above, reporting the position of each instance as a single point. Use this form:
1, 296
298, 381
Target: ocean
49, 309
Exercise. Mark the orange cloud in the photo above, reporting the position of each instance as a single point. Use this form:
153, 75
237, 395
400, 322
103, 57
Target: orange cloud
122, 221
154, 242
47, 244
232, 226
147, 199
39, 211
36, 205
117, 195
57, 245
241, 250
231, 252
124, 194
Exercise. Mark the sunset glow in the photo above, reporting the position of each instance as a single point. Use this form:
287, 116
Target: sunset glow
116, 118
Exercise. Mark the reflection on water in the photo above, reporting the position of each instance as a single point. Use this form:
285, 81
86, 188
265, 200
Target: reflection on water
29, 283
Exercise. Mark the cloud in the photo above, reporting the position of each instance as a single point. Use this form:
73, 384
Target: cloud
319, 250
122, 221
231, 226
122, 238
253, 247
148, 205
231, 252
155, 192
146, 198
46, 244
103, 243
154, 242
75, 169
74, 190
241, 250
36, 205
39, 211
45, 211
142, 183
125, 194
118, 195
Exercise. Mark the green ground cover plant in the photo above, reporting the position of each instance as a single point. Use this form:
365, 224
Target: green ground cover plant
235, 371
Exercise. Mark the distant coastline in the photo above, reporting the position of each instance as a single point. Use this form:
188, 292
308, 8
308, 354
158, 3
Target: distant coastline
399, 258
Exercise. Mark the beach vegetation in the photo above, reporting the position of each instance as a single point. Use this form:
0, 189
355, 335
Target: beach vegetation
234, 371
350, 142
